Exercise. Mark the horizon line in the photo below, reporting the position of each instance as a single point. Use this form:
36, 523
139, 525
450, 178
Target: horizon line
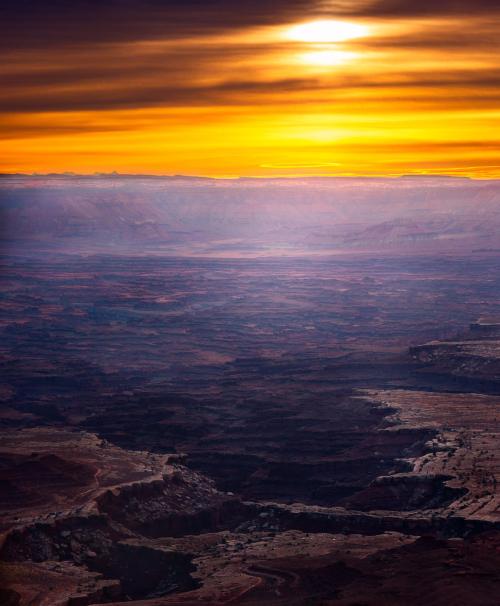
98, 174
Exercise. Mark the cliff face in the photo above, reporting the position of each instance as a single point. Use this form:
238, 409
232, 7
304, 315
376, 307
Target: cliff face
143, 526
100, 521
475, 356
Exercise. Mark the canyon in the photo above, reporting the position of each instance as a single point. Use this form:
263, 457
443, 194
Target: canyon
280, 407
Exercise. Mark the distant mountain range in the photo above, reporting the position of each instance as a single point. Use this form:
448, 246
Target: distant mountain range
202, 216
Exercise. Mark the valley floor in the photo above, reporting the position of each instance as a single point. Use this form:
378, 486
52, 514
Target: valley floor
276, 431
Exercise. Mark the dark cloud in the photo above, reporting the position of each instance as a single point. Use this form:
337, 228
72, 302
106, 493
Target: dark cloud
38, 23
58, 23
475, 36
419, 8
116, 61
478, 80
129, 97
107, 94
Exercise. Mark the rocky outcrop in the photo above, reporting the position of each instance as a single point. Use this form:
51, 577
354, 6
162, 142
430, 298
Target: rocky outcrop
340, 520
475, 356
470, 359
405, 492
99, 544
105, 523
183, 502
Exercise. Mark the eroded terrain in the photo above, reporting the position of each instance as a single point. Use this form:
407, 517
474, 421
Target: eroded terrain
274, 431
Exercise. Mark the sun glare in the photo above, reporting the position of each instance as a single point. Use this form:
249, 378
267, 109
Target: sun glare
326, 30
326, 58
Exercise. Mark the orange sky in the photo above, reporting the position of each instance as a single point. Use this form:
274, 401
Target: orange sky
307, 88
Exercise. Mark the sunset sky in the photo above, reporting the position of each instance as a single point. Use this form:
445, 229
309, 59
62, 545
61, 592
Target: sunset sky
240, 87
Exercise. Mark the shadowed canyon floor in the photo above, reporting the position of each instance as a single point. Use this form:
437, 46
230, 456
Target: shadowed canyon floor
250, 431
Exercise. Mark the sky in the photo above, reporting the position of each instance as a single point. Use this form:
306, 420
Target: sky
230, 88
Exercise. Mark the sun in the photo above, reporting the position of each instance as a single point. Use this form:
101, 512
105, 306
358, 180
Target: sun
327, 30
